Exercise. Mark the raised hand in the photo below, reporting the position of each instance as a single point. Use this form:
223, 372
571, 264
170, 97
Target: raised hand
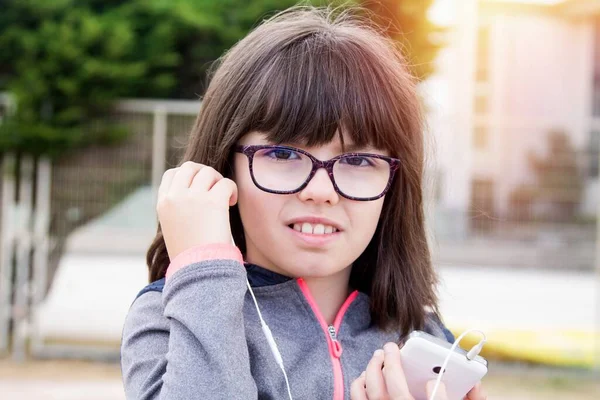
193, 207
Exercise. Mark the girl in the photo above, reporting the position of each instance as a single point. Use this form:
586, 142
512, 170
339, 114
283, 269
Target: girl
308, 153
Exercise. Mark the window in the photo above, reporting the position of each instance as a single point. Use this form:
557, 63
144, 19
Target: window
480, 137
482, 55
481, 105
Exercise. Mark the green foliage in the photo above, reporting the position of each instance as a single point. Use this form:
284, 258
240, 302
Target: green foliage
67, 61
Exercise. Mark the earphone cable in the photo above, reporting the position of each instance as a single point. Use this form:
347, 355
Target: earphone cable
470, 356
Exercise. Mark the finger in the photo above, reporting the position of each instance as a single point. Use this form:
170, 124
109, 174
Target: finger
184, 176
477, 393
225, 192
205, 179
357, 389
394, 374
441, 392
374, 377
165, 182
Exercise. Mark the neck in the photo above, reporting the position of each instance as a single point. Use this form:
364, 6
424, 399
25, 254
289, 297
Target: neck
330, 292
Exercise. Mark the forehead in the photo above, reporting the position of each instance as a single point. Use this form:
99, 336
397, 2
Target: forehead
338, 144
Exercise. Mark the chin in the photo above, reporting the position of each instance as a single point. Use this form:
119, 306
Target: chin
315, 267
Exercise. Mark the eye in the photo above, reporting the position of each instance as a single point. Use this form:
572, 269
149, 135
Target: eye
282, 154
358, 161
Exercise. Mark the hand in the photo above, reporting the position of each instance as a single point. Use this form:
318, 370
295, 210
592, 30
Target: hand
476, 393
389, 383
193, 207
386, 383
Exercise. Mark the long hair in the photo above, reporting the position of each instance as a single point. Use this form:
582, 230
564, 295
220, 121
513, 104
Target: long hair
301, 76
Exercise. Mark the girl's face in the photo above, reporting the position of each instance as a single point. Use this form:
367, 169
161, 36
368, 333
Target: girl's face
269, 219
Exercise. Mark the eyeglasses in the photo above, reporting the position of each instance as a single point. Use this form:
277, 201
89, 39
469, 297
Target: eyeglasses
287, 170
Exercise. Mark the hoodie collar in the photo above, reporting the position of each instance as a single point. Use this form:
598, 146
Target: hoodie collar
259, 276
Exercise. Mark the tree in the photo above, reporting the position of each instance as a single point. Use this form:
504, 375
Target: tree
67, 61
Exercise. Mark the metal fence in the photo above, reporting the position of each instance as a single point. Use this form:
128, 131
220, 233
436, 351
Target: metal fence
52, 209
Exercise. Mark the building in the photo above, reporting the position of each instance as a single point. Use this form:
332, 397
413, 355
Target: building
512, 73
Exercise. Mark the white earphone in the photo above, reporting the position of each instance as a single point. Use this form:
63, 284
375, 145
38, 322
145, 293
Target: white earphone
275, 350
270, 340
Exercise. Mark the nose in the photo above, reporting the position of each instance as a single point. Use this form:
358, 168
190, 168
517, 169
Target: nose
320, 189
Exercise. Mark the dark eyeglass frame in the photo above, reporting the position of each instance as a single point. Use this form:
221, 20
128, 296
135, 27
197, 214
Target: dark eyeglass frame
250, 150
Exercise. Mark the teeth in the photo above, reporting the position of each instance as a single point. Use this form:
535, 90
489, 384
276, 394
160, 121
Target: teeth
317, 229
307, 228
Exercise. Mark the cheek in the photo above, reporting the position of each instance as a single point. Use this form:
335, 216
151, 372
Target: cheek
246, 188
257, 208
364, 218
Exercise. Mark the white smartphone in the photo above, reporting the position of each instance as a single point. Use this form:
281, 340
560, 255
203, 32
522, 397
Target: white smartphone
422, 358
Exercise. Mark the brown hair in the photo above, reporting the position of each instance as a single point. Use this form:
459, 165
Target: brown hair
298, 77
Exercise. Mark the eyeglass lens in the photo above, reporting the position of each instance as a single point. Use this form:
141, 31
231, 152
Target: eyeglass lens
281, 169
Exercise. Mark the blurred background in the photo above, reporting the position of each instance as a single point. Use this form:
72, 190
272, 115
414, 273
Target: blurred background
97, 98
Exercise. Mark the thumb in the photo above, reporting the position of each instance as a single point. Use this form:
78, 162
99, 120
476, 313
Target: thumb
441, 392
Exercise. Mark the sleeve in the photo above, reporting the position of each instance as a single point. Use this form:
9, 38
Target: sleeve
435, 326
190, 341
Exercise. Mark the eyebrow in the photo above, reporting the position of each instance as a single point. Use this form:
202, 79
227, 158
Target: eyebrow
353, 148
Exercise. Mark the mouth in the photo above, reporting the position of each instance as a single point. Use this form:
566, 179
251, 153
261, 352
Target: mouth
314, 226
313, 229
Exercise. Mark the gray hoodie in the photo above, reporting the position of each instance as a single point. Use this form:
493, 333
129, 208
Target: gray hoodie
200, 338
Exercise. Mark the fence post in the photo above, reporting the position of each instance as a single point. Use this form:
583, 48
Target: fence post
23, 265
159, 147
41, 225
6, 247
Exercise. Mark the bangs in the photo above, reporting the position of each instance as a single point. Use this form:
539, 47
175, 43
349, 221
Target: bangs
318, 86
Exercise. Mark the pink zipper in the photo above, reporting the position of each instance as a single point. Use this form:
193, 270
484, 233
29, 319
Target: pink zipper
331, 331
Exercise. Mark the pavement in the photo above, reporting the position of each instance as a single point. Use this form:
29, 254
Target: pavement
549, 317
542, 316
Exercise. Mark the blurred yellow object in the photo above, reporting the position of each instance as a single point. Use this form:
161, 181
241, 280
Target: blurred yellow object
551, 347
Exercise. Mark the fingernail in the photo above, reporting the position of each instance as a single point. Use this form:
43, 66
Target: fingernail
390, 347
378, 353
